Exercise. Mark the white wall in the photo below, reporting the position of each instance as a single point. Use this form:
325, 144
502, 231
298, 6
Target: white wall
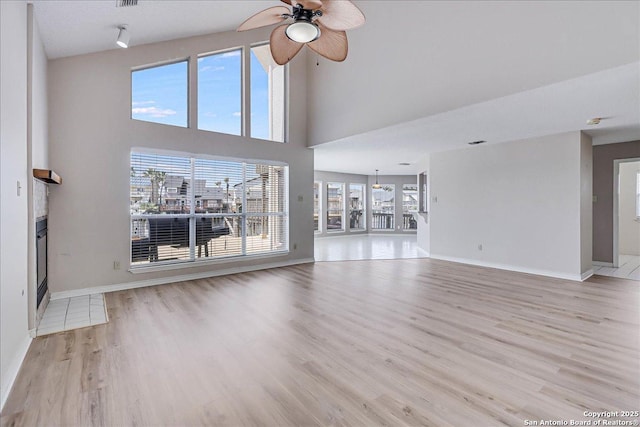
14, 337
586, 205
629, 226
450, 42
91, 136
37, 141
520, 200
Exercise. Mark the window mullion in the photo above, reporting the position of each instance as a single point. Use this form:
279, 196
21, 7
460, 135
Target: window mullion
243, 218
246, 91
192, 211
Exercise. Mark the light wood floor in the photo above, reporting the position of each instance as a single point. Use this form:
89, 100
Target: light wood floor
398, 342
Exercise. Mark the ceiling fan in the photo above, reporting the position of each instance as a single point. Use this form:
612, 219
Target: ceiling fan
320, 24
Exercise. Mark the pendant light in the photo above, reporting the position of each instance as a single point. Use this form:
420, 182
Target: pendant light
376, 186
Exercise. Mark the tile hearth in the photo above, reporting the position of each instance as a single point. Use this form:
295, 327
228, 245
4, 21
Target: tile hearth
72, 313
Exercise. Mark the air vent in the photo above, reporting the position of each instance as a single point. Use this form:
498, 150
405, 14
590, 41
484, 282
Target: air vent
476, 142
126, 3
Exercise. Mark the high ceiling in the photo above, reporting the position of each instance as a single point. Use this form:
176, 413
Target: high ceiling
421, 76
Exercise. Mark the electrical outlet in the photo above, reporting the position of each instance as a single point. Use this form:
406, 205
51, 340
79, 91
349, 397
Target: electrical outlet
300, 198
480, 247
116, 265
295, 246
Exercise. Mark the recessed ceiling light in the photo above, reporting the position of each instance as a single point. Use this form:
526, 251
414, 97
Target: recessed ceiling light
404, 164
476, 142
594, 121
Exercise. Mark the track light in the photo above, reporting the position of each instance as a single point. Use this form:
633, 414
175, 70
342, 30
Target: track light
123, 37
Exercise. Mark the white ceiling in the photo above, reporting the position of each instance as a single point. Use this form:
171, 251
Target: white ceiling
421, 76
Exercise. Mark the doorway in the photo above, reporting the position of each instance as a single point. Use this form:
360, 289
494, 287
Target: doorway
626, 218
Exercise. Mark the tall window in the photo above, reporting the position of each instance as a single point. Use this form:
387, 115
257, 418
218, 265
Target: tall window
188, 208
383, 207
335, 206
220, 92
409, 206
267, 95
357, 205
159, 94
638, 195
317, 206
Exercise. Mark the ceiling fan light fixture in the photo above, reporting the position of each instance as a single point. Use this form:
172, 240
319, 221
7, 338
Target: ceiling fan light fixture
123, 37
303, 31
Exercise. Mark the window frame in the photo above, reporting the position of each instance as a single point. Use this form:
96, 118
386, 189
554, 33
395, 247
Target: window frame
393, 210
319, 210
157, 65
193, 216
363, 217
342, 208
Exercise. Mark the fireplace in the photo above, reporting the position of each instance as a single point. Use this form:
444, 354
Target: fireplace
41, 258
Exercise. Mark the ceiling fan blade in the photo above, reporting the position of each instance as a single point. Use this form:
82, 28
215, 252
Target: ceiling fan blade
341, 15
287, 2
309, 4
270, 16
283, 49
332, 44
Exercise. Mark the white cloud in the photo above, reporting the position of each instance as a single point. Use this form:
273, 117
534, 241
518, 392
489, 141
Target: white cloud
143, 102
153, 111
232, 53
210, 68
237, 114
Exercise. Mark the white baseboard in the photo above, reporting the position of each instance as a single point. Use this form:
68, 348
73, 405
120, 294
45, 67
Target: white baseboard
584, 276
602, 264
547, 273
9, 377
174, 279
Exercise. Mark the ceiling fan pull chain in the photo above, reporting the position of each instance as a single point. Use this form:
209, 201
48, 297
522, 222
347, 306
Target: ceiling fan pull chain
317, 60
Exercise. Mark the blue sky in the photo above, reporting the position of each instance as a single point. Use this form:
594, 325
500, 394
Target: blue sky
159, 94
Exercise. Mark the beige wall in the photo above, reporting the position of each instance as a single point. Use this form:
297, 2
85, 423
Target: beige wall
603, 157
91, 136
522, 201
628, 223
14, 336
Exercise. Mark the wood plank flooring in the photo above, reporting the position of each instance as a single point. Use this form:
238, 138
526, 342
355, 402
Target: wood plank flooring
362, 343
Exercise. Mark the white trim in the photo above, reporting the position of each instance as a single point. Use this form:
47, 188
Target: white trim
584, 276
547, 273
9, 377
174, 279
602, 264
616, 207
173, 265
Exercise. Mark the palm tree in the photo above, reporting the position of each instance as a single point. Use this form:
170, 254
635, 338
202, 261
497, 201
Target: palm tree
157, 179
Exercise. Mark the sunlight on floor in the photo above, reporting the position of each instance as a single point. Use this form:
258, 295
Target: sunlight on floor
367, 246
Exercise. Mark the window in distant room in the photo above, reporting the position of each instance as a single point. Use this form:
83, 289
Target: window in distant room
317, 197
267, 95
335, 206
638, 196
383, 207
357, 214
159, 94
220, 92
409, 206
